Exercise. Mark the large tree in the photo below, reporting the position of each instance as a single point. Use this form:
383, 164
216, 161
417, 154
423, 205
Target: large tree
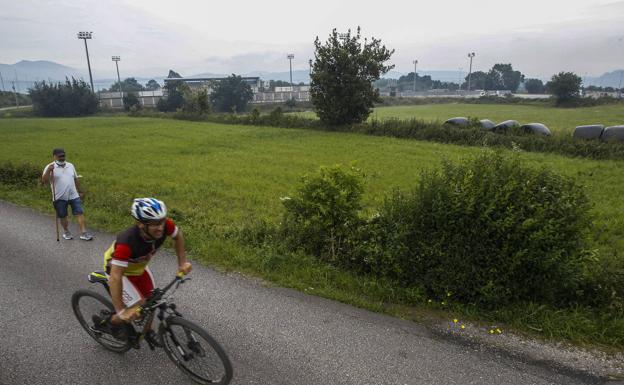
510, 79
127, 85
231, 94
534, 86
565, 86
175, 93
152, 85
343, 73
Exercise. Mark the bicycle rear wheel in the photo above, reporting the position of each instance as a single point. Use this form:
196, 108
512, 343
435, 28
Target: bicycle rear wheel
195, 352
86, 304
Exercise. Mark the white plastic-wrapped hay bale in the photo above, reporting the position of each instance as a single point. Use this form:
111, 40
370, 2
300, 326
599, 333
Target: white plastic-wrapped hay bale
590, 131
536, 128
459, 121
613, 133
487, 124
506, 125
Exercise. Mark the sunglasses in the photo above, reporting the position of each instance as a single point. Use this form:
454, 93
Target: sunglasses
156, 224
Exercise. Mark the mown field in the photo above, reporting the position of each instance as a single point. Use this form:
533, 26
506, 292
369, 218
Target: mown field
219, 178
559, 120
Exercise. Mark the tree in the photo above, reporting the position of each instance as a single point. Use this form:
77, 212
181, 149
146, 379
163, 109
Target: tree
499, 77
231, 94
534, 86
509, 79
175, 90
196, 102
127, 85
131, 101
565, 86
343, 73
152, 85
71, 98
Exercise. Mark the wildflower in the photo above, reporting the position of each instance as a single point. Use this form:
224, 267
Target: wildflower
455, 320
463, 326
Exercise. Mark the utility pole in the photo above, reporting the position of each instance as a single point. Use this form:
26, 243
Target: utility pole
116, 59
415, 64
470, 55
2, 81
87, 36
310, 62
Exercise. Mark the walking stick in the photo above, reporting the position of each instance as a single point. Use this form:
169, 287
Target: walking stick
56, 220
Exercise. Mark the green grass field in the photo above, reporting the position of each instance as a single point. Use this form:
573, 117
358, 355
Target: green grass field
218, 178
557, 119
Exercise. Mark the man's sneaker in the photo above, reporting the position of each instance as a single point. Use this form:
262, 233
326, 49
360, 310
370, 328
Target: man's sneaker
152, 338
67, 235
86, 236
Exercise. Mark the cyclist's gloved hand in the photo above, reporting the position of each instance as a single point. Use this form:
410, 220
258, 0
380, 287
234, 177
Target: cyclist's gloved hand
185, 268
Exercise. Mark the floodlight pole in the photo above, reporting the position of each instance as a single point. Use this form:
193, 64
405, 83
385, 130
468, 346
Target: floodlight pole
84, 36
116, 59
470, 55
310, 62
415, 64
290, 57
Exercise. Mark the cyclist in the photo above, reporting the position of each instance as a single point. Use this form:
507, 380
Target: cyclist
129, 278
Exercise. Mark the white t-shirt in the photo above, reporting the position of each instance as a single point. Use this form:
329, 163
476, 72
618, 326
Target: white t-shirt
64, 184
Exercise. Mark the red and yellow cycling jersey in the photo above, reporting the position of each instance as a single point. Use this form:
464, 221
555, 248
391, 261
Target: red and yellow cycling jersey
132, 251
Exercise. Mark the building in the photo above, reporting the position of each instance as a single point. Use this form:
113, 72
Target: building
208, 83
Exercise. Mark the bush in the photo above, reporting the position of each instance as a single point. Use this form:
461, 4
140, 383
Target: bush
196, 102
131, 102
490, 231
22, 175
72, 98
322, 216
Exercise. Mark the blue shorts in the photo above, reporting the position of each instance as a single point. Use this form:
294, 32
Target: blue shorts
61, 207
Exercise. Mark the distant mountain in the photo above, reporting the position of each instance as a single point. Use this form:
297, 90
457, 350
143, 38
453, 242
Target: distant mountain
27, 72
609, 79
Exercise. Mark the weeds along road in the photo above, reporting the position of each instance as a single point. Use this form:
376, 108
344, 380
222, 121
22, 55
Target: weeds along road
273, 335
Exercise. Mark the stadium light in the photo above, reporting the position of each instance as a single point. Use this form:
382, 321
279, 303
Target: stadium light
415, 64
470, 55
87, 36
290, 57
116, 59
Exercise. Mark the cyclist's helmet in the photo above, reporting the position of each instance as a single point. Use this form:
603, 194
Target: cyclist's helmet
148, 210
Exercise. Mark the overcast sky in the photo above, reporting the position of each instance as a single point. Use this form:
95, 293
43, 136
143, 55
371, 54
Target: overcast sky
538, 37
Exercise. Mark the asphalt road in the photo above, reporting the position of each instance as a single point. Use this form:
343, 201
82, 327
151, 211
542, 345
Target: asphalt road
273, 335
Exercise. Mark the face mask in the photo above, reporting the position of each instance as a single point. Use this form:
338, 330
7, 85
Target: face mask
60, 163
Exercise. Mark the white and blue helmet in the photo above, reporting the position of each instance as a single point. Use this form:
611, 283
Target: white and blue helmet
148, 210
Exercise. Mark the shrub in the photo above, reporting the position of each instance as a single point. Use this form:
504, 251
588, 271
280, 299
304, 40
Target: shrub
490, 231
131, 102
22, 174
321, 217
72, 98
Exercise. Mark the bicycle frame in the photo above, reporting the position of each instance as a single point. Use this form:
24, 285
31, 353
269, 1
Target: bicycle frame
157, 301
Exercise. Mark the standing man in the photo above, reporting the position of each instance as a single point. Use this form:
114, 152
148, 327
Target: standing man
65, 185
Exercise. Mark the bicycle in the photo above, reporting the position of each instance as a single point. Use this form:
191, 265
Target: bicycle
179, 337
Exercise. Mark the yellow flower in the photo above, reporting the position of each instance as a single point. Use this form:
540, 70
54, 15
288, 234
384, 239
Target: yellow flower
429, 301
463, 326
455, 320
498, 331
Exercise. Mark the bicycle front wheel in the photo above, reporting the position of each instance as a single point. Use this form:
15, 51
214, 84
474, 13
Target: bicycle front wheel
195, 352
86, 304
